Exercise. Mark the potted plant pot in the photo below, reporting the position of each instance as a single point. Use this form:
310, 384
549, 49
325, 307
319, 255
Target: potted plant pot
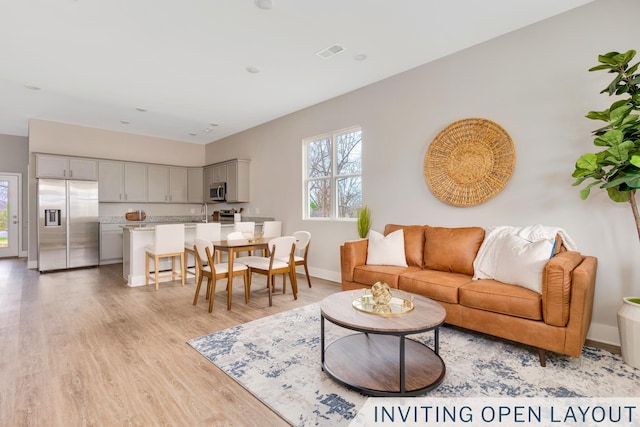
629, 330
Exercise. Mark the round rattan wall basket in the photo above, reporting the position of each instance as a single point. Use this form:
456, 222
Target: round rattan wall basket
469, 162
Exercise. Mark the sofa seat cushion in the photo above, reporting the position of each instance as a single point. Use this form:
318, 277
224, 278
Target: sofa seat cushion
434, 284
370, 274
498, 297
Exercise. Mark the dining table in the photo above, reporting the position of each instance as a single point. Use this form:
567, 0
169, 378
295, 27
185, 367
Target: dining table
238, 245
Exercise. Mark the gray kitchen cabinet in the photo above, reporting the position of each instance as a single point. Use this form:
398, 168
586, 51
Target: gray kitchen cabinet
110, 181
110, 243
238, 181
135, 182
195, 180
167, 184
62, 167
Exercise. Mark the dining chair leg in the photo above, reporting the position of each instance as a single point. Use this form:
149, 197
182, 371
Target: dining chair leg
195, 298
306, 271
211, 282
294, 283
246, 286
269, 289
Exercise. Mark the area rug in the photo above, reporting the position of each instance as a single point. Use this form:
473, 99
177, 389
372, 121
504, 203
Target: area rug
277, 359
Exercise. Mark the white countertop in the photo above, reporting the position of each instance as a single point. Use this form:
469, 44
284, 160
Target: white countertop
149, 226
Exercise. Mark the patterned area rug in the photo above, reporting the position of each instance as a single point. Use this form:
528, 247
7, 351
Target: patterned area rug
277, 359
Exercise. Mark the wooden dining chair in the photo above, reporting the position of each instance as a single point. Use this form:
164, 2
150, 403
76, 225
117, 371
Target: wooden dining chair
279, 261
210, 231
214, 272
303, 239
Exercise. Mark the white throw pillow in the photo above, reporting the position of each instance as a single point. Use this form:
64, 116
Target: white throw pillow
386, 250
521, 262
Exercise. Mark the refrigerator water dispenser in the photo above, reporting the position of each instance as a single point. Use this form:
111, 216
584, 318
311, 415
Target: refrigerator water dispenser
52, 217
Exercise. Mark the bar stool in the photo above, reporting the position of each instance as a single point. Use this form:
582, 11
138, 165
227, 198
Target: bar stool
207, 231
169, 243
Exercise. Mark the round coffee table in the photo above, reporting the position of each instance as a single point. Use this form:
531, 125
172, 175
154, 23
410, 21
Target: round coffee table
379, 360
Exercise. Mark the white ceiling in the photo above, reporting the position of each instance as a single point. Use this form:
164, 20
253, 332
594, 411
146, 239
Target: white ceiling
185, 61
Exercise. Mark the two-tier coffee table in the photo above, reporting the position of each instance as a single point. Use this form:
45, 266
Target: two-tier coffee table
379, 360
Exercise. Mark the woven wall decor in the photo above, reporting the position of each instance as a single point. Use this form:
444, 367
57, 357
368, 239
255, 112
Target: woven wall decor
469, 162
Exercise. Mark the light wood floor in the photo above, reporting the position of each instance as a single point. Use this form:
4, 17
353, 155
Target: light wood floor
80, 348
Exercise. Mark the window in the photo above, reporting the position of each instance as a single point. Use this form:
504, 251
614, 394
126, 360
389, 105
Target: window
333, 175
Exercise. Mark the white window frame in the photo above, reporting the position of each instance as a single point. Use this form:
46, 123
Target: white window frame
333, 178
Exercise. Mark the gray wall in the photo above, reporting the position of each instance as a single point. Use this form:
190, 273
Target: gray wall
14, 158
533, 82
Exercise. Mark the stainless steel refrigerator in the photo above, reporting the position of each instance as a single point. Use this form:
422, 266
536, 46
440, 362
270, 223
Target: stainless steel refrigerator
68, 224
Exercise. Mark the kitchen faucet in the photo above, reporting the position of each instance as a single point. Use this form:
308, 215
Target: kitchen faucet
203, 209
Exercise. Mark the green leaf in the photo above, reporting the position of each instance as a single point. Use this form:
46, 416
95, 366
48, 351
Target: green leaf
600, 67
620, 152
609, 138
580, 179
588, 162
617, 195
607, 58
599, 115
620, 113
635, 160
584, 193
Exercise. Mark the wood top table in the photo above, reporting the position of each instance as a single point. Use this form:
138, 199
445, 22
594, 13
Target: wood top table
239, 245
378, 360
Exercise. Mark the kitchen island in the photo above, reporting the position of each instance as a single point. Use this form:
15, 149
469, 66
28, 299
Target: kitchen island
134, 239
137, 235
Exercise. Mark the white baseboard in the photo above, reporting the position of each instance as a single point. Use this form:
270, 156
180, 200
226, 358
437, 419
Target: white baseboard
32, 264
320, 273
604, 334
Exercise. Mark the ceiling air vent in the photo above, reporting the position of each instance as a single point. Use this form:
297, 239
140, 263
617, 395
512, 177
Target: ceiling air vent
330, 51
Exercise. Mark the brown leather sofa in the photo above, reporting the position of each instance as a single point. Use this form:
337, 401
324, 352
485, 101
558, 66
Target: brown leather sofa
440, 267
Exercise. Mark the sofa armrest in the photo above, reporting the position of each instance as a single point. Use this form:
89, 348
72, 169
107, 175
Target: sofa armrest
582, 295
352, 254
557, 279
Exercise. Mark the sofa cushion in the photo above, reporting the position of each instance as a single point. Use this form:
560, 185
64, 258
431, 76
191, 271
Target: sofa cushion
452, 249
370, 274
413, 242
498, 297
438, 285
386, 250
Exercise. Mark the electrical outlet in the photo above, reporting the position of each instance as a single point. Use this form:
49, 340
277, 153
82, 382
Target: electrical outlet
257, 211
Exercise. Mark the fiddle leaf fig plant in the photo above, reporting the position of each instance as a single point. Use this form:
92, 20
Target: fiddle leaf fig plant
364, 221
616, 168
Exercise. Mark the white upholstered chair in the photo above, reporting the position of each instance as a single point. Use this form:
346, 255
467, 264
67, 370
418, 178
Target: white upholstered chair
301, 250
214, 272
272, 229
279, 261
208, 231
168, 243
247, 226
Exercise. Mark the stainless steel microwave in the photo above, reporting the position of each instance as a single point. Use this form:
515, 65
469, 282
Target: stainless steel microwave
218, 192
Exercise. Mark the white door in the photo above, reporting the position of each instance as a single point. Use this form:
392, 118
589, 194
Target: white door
9, 220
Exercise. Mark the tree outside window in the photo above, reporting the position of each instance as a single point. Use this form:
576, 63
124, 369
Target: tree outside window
333, 175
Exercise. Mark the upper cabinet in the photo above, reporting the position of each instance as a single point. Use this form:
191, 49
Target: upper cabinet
195, 180
122, 182
50, 166
238, 181
167, 184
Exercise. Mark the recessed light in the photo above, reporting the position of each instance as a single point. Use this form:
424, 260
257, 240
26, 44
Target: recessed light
125, 122
214, 125
141, 109
253, 70
193, 134
360, 56
264, 4
32, 87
